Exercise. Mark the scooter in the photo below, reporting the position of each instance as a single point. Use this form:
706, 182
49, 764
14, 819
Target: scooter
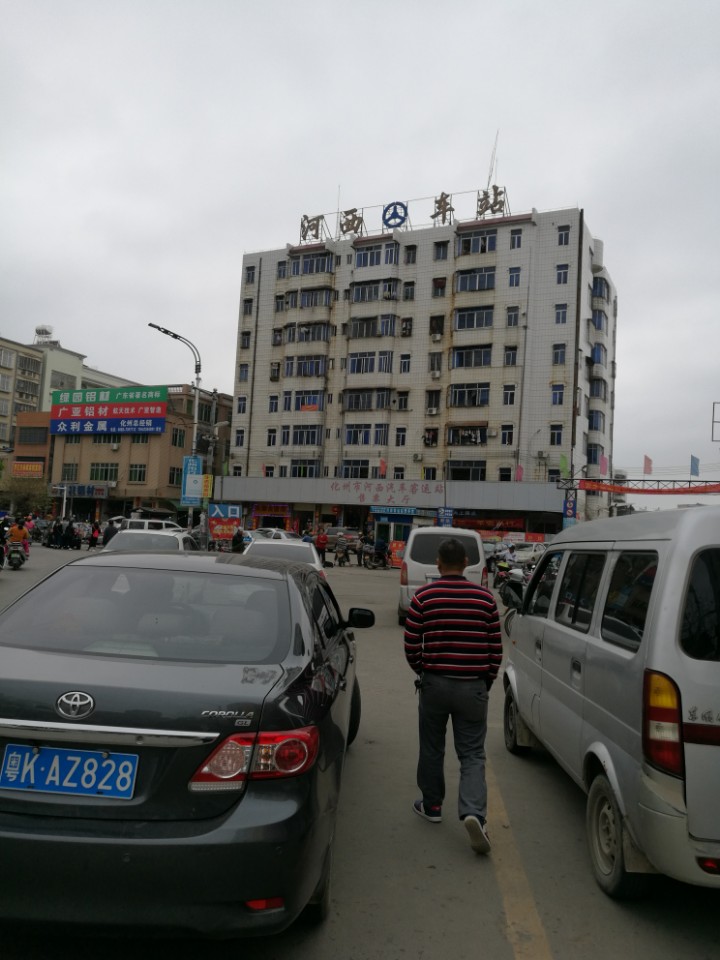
512, 590
373, 560
342, 556
15, 555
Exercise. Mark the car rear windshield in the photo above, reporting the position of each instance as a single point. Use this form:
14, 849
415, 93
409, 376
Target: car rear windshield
424, 549
156, 614
144, 542
700, 630
283, 550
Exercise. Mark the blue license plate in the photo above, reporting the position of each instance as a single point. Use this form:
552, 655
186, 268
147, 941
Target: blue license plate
84, 773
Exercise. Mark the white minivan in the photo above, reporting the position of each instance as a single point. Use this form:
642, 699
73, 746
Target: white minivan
152, 524
419, 564
613, 665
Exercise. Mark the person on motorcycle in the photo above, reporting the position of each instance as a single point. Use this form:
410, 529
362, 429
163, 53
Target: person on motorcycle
18, 534
381, 550
341, 550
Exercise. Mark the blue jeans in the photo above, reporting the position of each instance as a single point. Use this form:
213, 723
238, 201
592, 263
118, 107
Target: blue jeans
466, 702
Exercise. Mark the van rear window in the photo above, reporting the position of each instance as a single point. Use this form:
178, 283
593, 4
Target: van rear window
424, 549
700, 631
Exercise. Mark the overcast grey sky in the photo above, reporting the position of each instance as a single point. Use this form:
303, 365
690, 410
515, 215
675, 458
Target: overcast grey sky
145, 145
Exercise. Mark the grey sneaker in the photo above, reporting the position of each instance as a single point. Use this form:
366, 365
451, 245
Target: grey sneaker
477, 831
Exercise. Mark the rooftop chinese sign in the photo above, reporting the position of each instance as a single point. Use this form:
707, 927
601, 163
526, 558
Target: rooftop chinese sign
395, 215
123, 410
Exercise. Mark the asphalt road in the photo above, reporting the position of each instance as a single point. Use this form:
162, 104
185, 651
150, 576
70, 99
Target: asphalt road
404, 889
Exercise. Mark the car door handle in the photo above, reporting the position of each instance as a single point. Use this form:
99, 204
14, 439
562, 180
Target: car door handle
576, 669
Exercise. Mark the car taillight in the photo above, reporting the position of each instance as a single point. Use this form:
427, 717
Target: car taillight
256, 756
662, 724
484, 578
403, 574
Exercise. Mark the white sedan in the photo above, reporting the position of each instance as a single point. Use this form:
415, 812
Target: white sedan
296, 550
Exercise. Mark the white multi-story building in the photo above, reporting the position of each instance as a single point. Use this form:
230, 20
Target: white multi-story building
473, 361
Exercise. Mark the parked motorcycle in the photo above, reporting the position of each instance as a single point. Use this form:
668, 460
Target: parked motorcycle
342, 556
512, 589
375, 560
15, 553
502, 569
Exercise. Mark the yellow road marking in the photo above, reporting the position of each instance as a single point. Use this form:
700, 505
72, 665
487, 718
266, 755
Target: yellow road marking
525, 931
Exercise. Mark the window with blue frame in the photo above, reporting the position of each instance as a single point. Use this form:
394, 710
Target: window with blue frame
558, 394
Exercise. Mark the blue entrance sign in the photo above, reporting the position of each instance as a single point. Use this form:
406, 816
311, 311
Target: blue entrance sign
192, 482
445, 516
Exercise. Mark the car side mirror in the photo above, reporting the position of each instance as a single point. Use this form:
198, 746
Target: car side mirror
360, 617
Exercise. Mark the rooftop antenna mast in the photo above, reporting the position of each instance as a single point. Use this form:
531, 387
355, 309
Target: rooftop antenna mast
493, 162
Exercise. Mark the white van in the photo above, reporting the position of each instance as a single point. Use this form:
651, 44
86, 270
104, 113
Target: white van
154, 524
419, 565
614, 667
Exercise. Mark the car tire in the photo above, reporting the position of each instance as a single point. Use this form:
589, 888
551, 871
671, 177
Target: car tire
318, 909
510, 721
355, 712
604, 829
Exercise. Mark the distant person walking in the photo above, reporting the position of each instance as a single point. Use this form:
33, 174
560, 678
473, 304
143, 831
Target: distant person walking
94, 536
453, 644
109, 532
321, 542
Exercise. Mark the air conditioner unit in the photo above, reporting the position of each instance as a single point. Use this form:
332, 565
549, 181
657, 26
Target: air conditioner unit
542, 455
432, 411
115, 446
492, 433
417, 457
435, 374
436, 337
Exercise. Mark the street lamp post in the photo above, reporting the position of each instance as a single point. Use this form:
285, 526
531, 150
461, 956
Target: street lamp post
198, 368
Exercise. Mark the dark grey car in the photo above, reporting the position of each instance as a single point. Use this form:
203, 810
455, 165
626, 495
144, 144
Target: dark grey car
172, 735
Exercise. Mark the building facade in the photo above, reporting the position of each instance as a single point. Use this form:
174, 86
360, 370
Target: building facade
474, 354
103, 474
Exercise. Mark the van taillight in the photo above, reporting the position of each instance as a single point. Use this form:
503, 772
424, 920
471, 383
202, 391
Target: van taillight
403, 574
484, 579
662, 724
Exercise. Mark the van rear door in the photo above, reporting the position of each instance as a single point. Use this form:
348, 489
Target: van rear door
700, 694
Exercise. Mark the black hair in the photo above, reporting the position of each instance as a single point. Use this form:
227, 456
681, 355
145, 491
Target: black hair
451, 553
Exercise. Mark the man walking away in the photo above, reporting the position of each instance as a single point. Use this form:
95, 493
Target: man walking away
453, 643
108, 533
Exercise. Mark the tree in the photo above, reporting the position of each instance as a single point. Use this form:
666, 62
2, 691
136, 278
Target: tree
25, 496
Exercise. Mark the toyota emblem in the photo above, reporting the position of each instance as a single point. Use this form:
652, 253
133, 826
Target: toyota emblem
75, 705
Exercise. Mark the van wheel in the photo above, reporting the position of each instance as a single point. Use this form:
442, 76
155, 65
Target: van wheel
355, 711
604, 829
510, 720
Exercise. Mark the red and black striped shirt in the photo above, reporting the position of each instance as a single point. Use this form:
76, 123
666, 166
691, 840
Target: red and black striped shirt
453, 628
